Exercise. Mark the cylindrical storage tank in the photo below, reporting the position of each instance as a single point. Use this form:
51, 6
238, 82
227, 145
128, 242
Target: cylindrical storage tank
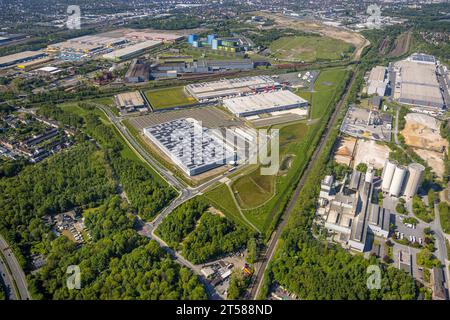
397, 181
388, 174
415, 176
370, 174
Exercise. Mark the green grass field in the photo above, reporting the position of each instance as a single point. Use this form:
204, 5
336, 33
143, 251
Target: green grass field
325, 86
220, 197
167, 98
310, 49
253, 189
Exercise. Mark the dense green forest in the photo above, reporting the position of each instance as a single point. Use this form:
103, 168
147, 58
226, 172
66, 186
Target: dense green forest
117, 264
147, 193
176, 226
201, 235
78, 177
214, 236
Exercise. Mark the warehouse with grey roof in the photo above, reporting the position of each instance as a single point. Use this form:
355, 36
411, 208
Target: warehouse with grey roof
416, 82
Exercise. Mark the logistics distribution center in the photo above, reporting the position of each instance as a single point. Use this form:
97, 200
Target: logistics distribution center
190, 146
231, 87
20, 57
264, 103
416, 82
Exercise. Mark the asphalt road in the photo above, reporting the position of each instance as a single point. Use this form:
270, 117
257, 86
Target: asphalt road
267, 257
6, 280
16, 271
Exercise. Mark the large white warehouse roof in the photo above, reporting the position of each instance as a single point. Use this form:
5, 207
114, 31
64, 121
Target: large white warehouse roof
264, 103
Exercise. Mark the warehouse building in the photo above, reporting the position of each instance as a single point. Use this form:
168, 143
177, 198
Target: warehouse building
231, 87
131, 51
264, 103
25, 56
201, 66
377, 82
416, 82
190, 146
130, 102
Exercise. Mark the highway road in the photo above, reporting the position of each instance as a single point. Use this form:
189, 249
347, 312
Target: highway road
7, 281
268, 255
17, 273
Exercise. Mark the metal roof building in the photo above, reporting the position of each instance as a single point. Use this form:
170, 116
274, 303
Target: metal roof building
377, 82
24, 56
230, 87
193, 148
131, 51
264, 103
416, 82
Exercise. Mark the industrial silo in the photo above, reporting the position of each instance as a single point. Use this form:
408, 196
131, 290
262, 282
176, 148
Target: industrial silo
397, 181
370, 175
388, 174
415, 175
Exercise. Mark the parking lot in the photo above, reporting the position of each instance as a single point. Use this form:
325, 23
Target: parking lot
211, 117
408, 231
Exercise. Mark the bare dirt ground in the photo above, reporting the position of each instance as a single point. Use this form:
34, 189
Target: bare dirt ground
356, 39
371, 153
344, 150
423, 131
433, 159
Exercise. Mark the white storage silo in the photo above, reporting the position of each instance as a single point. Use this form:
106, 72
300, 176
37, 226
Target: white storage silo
397, 181
415, 176
388, 174
370, 175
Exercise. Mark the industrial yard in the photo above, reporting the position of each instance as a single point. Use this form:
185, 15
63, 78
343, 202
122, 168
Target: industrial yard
364, 123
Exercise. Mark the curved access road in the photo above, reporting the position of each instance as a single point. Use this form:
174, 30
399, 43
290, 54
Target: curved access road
269, 253
15, 270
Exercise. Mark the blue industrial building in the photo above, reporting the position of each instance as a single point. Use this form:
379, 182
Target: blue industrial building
210, 38
192, 38
215, 43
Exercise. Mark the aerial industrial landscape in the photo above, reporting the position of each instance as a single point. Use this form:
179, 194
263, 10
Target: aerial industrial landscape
258, 150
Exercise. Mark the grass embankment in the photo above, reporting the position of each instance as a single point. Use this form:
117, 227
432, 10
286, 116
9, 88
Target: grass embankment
169, 97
